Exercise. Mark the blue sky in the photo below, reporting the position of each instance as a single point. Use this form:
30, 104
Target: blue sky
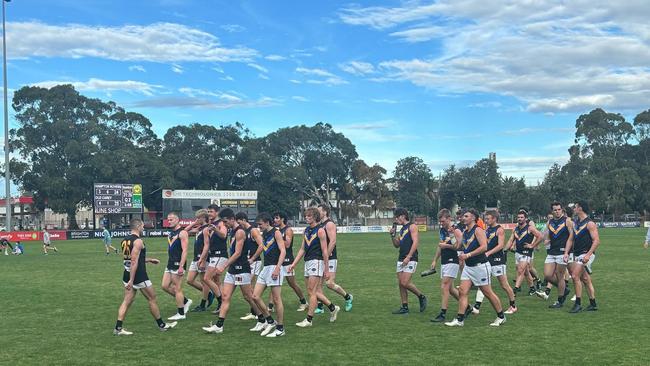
448, 81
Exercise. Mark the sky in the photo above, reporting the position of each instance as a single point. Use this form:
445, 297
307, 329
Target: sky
447, 81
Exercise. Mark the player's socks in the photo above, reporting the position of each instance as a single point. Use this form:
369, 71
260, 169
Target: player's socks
260, 318
310, 318
320, 305
331, 307
181, 311
303, 301
203, 302
512, 303
271, 306
118, 325
210, 298
280, 327
160, 322
477, 305
547, 291
269, 320
347, 296
500, 315
578, 301
220, 322
185, 300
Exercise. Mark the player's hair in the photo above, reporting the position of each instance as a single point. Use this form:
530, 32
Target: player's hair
213, 207
282, 216
569, 211
264, 217
493, 213
227, 213
522, 212
444, 213
202, 213
555, 203
173, 213
401, 212
325, 208
241, 216
135, 223
313, 212
474, 213
583, 205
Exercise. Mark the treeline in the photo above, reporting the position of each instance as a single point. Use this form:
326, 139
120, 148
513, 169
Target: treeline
65, 142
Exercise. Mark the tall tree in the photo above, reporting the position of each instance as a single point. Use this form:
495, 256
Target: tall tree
413, 179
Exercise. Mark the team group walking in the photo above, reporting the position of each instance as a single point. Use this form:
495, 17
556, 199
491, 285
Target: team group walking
230, 252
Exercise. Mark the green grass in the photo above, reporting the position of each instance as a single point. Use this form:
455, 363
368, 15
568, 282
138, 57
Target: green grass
60, 310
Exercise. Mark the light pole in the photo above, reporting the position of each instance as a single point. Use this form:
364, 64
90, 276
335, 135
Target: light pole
4, 73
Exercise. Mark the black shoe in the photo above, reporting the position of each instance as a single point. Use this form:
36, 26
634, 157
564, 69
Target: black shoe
556, 305
401, 311
576, 309
198, 309
439, 319
423, 303
591, 308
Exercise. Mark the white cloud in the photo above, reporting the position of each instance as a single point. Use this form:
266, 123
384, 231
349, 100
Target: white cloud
493, 104
218, 69
553, 56
158, 42
328, 78
299, 98
137, 68
258, 67
177, 69
357, 68
384, 100
206, 99
94, 84
374, 131
275, 58
227, 78
294, 81
233, 28
263, 76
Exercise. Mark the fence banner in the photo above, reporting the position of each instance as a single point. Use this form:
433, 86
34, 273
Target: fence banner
620, 224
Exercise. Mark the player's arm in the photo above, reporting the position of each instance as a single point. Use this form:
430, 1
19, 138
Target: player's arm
257, 236
326, 254
206, 246
511, 241
537, 235
501, 239
239, 248
299, 255
331, 234
570, 226
184, 239
595, 239
415, 236
436, 257
135, 255
459, 239
221, 230
283, 252
289, 235
394, 236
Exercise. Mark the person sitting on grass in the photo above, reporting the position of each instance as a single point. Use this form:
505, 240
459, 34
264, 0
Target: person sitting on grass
18, 249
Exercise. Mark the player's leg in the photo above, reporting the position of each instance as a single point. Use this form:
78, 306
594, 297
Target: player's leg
211, 280
576, 274
226, 295
407, 283
150, 295
276, 294
480, 296
521, 273
334, 309
591, 291
182, 303
496, 304
446, 283
503, 281
192, 276
293, 283
129, 296
312, 284
167, 284
463, 292
404, 296
332, 285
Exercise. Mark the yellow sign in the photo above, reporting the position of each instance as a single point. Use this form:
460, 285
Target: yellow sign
137, 189
422, 228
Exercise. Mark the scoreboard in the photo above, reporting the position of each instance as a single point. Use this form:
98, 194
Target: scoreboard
117, 198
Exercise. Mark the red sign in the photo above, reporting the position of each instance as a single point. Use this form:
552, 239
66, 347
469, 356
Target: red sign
14, 236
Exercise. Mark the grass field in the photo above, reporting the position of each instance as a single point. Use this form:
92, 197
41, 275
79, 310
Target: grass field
60, 310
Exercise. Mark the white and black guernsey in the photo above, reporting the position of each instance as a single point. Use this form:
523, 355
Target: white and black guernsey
406, 243
498, 257
470, 243
241, 265
198, 243
174, 249
218, 245
311, 243
523, 237
288, 257
333, 255
448, 255
271, 248
558, 233
141, 270
582, 239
